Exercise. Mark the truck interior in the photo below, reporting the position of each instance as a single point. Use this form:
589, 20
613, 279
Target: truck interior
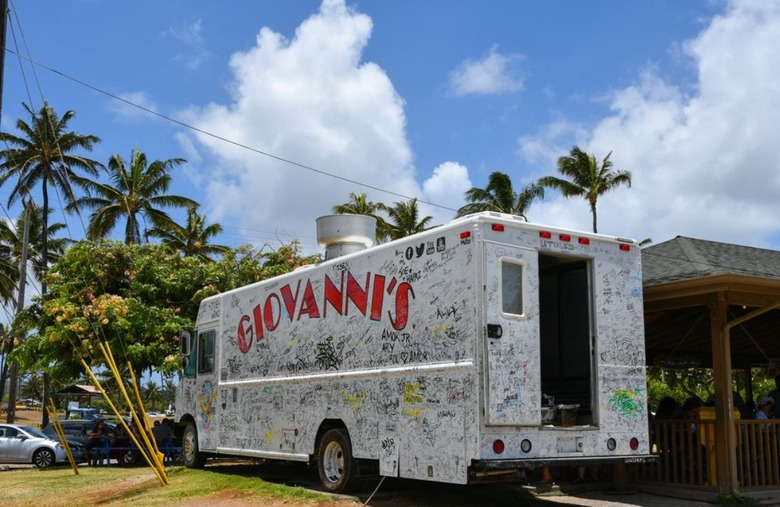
565, 334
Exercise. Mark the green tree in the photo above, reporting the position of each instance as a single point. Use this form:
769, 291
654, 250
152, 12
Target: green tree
45, 154
193, 239
585, 177
500, 196
359, 204
136, 299
404, 219
137, 190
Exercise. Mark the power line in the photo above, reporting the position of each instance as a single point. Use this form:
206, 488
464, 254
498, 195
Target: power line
224, 139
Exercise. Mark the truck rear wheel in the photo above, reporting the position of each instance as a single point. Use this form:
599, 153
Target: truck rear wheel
335, 463
191, 455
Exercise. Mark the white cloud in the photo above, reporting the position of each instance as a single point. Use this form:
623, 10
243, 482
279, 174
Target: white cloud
312, 100
445, 187
494, 74
704, 163
190, 34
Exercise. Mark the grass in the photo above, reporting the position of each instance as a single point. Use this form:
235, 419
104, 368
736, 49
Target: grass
59, 486
138, 486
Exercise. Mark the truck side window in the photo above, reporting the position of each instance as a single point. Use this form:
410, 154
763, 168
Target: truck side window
206, 351
511, 287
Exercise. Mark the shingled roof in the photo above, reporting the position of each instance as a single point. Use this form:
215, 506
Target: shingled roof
685, 258
685, 278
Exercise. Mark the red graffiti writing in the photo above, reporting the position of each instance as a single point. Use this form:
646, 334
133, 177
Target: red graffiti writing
347, 294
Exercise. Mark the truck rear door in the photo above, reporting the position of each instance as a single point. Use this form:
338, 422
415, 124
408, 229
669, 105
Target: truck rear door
513, 385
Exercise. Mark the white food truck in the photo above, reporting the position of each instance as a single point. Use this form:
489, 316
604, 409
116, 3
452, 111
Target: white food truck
460, 354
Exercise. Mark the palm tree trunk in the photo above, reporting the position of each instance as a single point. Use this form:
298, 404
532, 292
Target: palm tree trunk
44, 287
593, 211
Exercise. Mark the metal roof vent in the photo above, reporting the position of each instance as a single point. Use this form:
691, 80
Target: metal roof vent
345, 234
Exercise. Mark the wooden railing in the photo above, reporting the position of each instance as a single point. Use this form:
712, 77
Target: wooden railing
686, 454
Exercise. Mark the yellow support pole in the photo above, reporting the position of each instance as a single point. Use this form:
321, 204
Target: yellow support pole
147, 452
150, 442
162, 478
55, 422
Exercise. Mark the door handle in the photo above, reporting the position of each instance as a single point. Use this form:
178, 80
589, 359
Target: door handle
494, 331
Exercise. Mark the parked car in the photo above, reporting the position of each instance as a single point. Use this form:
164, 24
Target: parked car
76, 430
77, 433
25, 444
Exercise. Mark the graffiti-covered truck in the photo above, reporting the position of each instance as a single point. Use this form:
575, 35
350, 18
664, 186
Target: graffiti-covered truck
459, 354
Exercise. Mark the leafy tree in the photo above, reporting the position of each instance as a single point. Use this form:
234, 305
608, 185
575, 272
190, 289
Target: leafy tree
500, 196
135, 298
404, 219
137, 190
359, 204
192, 239
45, 154
586, 178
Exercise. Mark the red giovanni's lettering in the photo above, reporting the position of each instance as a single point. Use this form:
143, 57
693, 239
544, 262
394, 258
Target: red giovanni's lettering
370, 295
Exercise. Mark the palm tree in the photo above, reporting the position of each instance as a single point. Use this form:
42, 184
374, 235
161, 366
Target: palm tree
404, 219
137, 190
500, 196
193, 239
9, 273
152, 395
359, 204
11, 240
45, 155
586, 178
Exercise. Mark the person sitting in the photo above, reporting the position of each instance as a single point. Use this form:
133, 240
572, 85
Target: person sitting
764, 409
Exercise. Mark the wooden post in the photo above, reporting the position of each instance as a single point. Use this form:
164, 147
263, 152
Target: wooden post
725, 438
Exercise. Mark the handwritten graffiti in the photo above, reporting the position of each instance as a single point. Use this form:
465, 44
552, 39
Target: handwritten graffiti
626, 402
388, 446
298, 365
446, 313
329, 357
623, 352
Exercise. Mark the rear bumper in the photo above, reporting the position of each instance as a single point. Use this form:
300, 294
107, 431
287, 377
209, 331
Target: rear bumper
513, 464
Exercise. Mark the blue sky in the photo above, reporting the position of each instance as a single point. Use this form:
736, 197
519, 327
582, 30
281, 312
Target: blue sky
422, 99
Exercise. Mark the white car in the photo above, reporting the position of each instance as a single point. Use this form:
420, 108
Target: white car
25, 444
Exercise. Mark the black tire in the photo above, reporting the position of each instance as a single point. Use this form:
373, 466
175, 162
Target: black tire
191, 455
335, 464
44, 458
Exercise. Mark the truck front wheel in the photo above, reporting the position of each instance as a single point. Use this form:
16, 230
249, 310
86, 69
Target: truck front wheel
191, 455
335, 463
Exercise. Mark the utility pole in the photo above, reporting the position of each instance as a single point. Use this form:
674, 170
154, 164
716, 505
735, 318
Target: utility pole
12, 387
